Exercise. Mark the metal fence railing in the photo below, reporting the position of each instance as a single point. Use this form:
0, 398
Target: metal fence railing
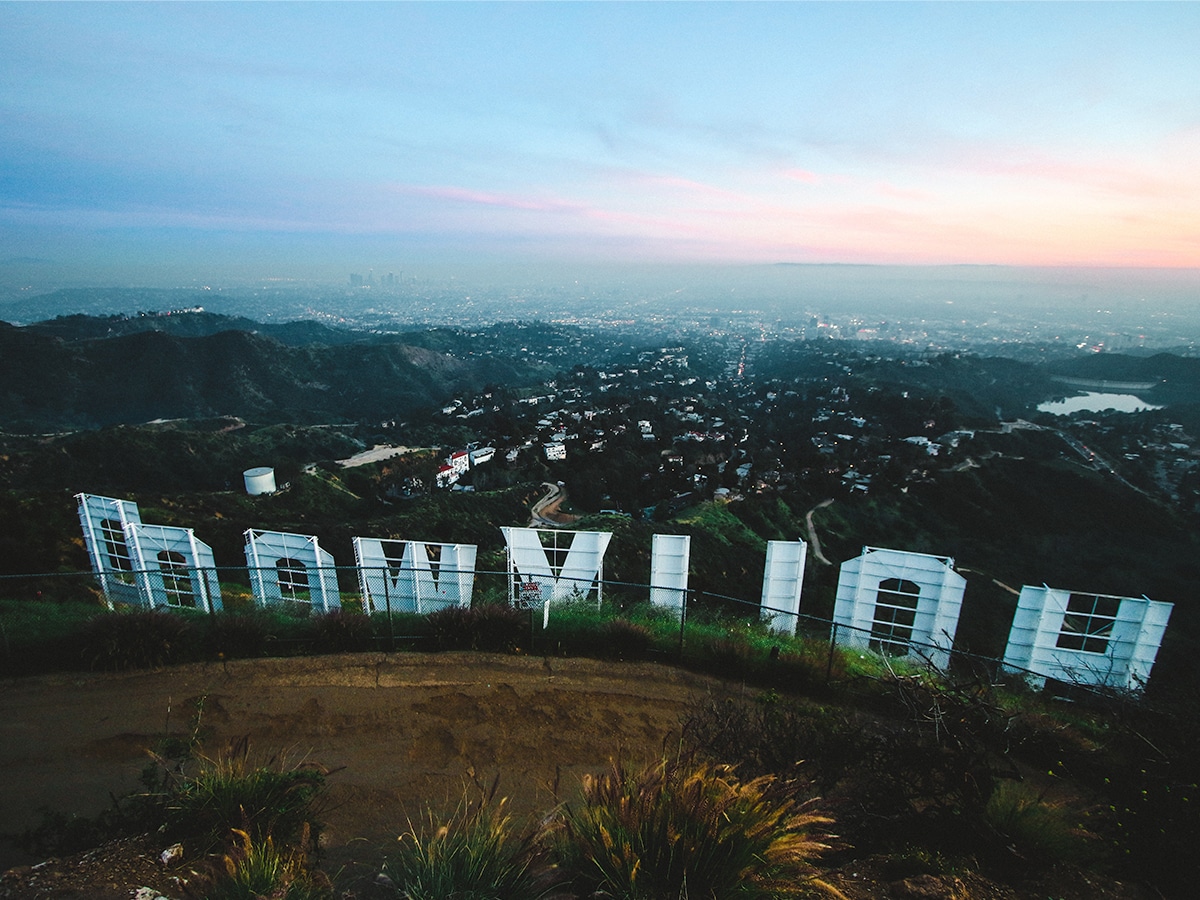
387, 608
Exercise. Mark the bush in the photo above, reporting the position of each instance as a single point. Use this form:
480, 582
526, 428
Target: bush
238, 635
500, 627
140, 639
771, 735
474, 853
491, 626
729, 657
680, 828
622, 639
453, 628
340, 631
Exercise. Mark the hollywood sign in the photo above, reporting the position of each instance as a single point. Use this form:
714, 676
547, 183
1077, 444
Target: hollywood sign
893, 602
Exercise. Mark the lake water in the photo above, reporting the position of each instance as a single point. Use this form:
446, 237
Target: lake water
1095, 402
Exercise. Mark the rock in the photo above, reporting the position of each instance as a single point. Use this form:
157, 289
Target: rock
929, 887
174, 853
384, 880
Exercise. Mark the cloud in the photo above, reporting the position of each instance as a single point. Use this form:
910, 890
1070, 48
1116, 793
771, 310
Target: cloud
489, 198
1116, 179
802, 175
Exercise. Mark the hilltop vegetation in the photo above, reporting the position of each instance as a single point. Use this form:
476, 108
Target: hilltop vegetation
908, 445
57, 376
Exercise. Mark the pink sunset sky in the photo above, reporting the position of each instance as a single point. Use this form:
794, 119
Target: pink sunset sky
1018, 134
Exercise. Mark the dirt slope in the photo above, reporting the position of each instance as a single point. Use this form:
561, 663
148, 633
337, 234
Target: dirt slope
403, 730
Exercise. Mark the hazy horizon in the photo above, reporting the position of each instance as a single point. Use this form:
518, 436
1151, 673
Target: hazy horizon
1158, 303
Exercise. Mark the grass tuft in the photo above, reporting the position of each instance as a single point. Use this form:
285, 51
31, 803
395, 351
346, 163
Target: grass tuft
271, 797
1037, 827
679, 828
477, 852
259, 870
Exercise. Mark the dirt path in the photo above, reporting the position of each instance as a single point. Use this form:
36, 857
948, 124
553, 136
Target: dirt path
546, 511
378, 453
407, 728
813, 541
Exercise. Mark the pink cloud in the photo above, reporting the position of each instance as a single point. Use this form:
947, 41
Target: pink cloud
1122, 177
901, 193
1109, 178
689, 186
802, 175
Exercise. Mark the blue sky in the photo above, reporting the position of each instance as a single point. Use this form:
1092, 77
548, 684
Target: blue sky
1023, 134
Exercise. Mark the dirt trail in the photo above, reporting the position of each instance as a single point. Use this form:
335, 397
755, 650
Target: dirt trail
404, 729
813, 541
546, 512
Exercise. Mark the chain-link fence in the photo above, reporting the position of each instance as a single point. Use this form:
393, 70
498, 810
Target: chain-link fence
120, 619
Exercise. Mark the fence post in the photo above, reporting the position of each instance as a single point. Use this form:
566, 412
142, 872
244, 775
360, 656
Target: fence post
832, 645
682, 621
387, 602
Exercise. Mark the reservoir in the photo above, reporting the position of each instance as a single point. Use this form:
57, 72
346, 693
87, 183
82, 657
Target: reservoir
1096, 402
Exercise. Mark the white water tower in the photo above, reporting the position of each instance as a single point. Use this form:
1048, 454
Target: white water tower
259, 480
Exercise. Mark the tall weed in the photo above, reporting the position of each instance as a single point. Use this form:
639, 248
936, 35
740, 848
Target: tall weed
477, 852
258, 870
679, 828
211, 796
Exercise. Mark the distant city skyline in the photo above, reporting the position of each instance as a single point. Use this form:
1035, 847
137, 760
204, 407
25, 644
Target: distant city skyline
283, 138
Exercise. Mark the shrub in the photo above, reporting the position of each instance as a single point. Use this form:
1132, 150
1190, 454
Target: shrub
238, 635
474, 853
728, 657
771, 735
500, 627
139, 639
340, 631
623, 639
680, 828
490, 626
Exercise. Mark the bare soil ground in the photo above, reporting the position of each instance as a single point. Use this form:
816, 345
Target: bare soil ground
403, 731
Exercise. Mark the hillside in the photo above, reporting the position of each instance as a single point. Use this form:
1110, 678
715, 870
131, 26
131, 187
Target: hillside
52, 382
1177, 378
189, 323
